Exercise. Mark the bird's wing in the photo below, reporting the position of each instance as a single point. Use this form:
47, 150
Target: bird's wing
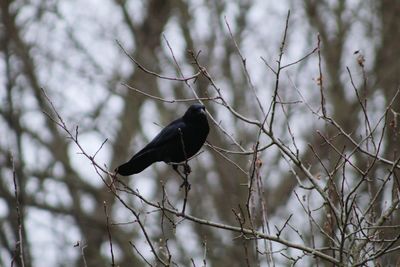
170, 132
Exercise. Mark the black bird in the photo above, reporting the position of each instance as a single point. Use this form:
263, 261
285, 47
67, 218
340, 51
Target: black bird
167, 146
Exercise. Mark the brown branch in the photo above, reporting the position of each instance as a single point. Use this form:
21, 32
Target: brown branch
301, 59
109, 234
20, 241
243, 153
170, 100
194, 219
140, 66
320, 78
277, 73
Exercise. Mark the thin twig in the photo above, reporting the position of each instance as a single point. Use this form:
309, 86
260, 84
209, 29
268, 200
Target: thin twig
140, 254
301, 59
140, 66
83, 247
243, 153
186, 171
20, 241
109, 234
244, 61
277, 73
320, 78
170, 100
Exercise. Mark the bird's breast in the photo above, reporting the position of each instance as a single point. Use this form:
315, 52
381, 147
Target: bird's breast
193, 137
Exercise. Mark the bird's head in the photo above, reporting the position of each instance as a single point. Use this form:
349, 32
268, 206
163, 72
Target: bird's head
195, 111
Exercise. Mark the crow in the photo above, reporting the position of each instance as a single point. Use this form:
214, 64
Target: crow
176, 143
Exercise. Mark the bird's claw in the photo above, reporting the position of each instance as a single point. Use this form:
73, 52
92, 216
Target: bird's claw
185, 184
186, 169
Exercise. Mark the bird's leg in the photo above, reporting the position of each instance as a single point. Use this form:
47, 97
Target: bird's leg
186, 171
186, 168
175, 167
186, 184
184, 177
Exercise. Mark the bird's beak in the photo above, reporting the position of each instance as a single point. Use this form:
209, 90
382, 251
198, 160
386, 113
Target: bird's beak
203, 110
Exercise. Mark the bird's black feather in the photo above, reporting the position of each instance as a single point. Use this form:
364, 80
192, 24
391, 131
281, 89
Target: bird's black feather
167, 146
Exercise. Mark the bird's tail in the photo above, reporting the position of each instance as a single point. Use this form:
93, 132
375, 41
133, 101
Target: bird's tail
137, 164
